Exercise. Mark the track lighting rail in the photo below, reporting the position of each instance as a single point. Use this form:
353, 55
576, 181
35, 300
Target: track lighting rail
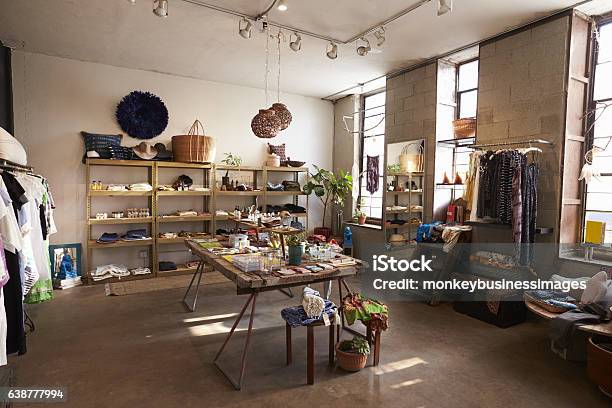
306, 32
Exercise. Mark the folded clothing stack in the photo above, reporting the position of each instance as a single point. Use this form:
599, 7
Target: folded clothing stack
167, 266
312, 302
140, 271
108, 238
109, 271
296, 316
136, 235
141, 187
274, 187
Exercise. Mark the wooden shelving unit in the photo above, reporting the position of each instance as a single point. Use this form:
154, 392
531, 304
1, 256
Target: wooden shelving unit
209, 198
407, 198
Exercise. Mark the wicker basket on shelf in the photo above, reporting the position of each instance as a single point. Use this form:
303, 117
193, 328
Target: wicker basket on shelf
195, 146
464, 128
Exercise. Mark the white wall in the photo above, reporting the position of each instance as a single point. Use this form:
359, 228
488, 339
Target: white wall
56, 98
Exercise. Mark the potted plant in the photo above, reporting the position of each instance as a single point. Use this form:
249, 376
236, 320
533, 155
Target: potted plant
360, 215
353, 354
296, 244
328, 187
230, 160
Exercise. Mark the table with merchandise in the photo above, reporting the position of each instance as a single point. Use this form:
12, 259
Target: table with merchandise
254, 271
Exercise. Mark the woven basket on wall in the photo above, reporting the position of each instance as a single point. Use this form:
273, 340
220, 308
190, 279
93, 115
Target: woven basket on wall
464, 127
195, 146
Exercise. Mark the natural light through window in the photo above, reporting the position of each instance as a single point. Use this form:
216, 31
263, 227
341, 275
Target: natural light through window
599, 191
371, 181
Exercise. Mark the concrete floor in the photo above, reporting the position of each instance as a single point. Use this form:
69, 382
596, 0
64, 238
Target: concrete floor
143, 350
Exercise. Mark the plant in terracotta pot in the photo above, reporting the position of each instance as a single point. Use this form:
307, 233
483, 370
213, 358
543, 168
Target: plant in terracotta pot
360, 215
353, 354
230, 159
329, 187
296, 245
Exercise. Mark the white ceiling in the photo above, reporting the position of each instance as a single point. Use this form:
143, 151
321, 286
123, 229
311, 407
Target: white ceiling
201, 43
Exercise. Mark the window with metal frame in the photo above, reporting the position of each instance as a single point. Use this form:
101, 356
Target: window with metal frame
467, 88
598, 194
371, 187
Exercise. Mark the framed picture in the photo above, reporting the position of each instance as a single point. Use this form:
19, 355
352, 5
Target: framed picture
65, 261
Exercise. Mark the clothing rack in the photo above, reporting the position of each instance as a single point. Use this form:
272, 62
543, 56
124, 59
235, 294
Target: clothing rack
519, 142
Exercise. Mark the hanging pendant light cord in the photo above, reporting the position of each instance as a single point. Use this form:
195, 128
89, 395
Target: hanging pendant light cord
267, 62
279, 67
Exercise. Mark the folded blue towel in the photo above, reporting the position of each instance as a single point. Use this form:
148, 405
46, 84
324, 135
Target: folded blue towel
108, 238
296, 315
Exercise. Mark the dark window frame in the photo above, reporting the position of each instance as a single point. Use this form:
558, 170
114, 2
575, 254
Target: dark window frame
458, 93
362, 136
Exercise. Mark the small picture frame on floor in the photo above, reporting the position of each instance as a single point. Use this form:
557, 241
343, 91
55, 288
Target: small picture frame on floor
65, 261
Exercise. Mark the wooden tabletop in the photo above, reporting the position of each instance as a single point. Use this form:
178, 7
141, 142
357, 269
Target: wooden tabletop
603, 329
248, 282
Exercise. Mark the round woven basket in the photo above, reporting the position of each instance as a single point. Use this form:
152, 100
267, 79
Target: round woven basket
194, 147
464, 127
350, 361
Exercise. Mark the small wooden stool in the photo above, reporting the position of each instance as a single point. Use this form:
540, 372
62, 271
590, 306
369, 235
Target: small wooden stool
310, 346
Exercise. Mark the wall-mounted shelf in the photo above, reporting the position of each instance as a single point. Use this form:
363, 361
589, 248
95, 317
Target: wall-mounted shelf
112, 221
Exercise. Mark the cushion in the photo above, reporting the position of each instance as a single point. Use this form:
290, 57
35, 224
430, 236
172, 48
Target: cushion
278, 150
101, 143
596, 288
575, 293
11, 149
121, 152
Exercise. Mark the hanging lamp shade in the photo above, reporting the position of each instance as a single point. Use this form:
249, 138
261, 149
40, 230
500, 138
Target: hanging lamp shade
266, 124
283, 114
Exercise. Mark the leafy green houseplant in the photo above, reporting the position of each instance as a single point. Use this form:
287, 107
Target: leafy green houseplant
353, 354
360, 215
329, 187
230, 159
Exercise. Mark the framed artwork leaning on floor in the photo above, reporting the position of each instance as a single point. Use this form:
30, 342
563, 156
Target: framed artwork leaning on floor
65, 261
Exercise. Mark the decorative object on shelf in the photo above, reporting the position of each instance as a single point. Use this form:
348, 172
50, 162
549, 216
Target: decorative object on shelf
360, 215
290, 185
273, 160
397, 239
411, 161
94, 143
327, 186
182, 183
279, 150
458, 179
145, 151
162, 152
65, 261
195, 146
296, 244
446, 180
294, 163
142, 115
353, 354
393, 168
283, 114
230, 159
266, 124
465, 127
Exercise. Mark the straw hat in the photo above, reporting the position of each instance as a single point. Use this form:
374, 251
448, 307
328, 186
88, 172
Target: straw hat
11, 149
145, 151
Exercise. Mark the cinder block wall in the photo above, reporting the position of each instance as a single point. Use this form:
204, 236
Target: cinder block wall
522, 95
411, 115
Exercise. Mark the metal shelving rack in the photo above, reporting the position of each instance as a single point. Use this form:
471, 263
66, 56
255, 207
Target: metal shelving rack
415, 197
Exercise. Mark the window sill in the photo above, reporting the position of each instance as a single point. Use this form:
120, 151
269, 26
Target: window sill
366, 226
572, 257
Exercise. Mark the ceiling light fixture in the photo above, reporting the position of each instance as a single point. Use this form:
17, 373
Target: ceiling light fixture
364, 49
332, 52
282, 5
296, 44
444, 6
162, 8
245, 32
132, 1
380, 36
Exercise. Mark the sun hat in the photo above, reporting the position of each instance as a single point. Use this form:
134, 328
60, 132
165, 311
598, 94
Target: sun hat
145, 151
11, 149
162, 152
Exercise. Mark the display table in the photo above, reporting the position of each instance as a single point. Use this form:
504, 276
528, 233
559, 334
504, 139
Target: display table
281, 231
253, 283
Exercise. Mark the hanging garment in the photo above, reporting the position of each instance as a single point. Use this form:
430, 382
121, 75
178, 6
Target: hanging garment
529, 212
373, 174
517, 205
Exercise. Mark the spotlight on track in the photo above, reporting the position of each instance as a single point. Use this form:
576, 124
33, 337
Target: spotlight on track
296, 44
162, 8
332, 50
363, 50
245, 32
